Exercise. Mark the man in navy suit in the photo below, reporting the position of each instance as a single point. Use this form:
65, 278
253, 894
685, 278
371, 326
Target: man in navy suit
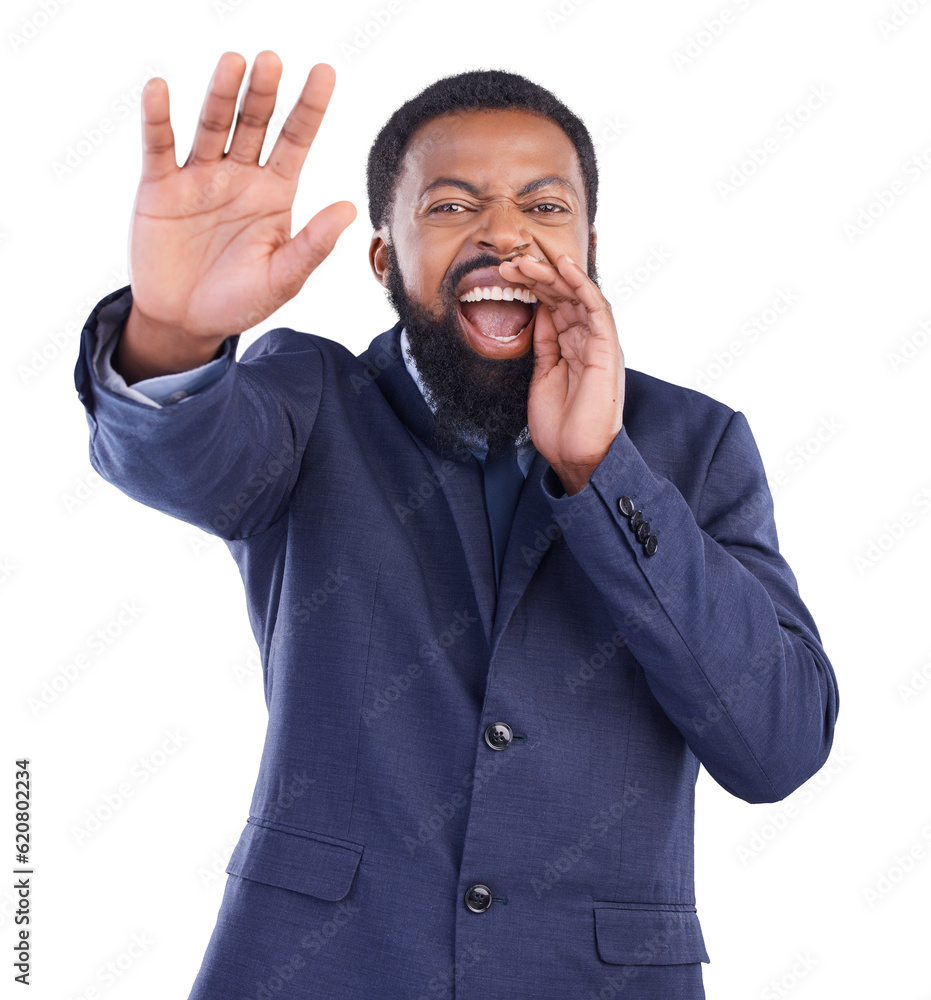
508, 595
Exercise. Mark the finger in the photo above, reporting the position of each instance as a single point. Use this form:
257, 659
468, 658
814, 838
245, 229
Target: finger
538, 275
585, 290
255, 110
590, 296
158, 139
296, 259
574, 313
556, 295
599, 315
216, 115
570, 293
298, 132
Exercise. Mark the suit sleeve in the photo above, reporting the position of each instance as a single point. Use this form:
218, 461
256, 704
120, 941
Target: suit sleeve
160, 390
713, 615
225, 458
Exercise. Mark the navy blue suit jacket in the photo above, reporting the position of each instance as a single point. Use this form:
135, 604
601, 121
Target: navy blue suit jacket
367, 562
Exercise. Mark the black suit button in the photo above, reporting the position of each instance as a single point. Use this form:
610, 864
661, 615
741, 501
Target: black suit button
643, 532
650, 545
636, 519
499, 735
478, 898
626, 506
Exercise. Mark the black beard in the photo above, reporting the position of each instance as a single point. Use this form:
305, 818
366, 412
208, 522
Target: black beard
475, 398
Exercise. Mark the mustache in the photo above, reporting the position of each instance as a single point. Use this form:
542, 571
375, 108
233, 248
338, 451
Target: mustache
467, 266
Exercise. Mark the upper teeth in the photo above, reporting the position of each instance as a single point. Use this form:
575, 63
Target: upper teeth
495, 292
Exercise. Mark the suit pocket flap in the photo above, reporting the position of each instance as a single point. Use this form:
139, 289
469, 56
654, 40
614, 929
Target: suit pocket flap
648, 934
303, 862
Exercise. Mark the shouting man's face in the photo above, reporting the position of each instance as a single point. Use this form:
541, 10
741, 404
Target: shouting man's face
478, 188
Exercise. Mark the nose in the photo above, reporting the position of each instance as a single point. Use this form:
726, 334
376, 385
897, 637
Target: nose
501, 228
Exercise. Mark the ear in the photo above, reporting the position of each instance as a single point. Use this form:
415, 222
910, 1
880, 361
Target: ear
592, 246
378, 256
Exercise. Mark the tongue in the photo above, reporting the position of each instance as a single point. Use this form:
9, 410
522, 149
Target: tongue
497, 318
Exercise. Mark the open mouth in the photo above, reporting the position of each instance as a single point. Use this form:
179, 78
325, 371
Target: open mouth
499, 314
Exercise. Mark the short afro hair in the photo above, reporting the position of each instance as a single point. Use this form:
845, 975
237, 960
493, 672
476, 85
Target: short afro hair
471, 91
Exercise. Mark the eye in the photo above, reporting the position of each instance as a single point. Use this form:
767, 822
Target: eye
448, 208
548, 208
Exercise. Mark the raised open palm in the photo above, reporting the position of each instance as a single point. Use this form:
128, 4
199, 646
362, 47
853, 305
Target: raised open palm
211, 251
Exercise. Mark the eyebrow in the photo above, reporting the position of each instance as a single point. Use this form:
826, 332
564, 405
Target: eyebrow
546, 182
543, 182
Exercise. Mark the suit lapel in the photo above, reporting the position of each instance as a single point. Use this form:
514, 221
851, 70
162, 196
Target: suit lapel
533, 518
462, 486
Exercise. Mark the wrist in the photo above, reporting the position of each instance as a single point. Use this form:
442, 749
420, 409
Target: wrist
574, 478
146, 349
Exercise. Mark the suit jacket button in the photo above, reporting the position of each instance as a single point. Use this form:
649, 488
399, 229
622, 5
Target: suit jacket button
643, 532
636, 519
626, 506
499, 735
478, 898
650, 545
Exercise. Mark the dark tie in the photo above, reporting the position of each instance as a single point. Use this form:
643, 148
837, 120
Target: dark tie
503, 482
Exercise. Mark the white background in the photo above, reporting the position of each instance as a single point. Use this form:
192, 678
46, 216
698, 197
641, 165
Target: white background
811, 894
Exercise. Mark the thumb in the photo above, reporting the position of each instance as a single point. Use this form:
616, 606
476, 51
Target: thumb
545, 342
294, 261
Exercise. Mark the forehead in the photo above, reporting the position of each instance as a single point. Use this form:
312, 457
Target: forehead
485, 147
